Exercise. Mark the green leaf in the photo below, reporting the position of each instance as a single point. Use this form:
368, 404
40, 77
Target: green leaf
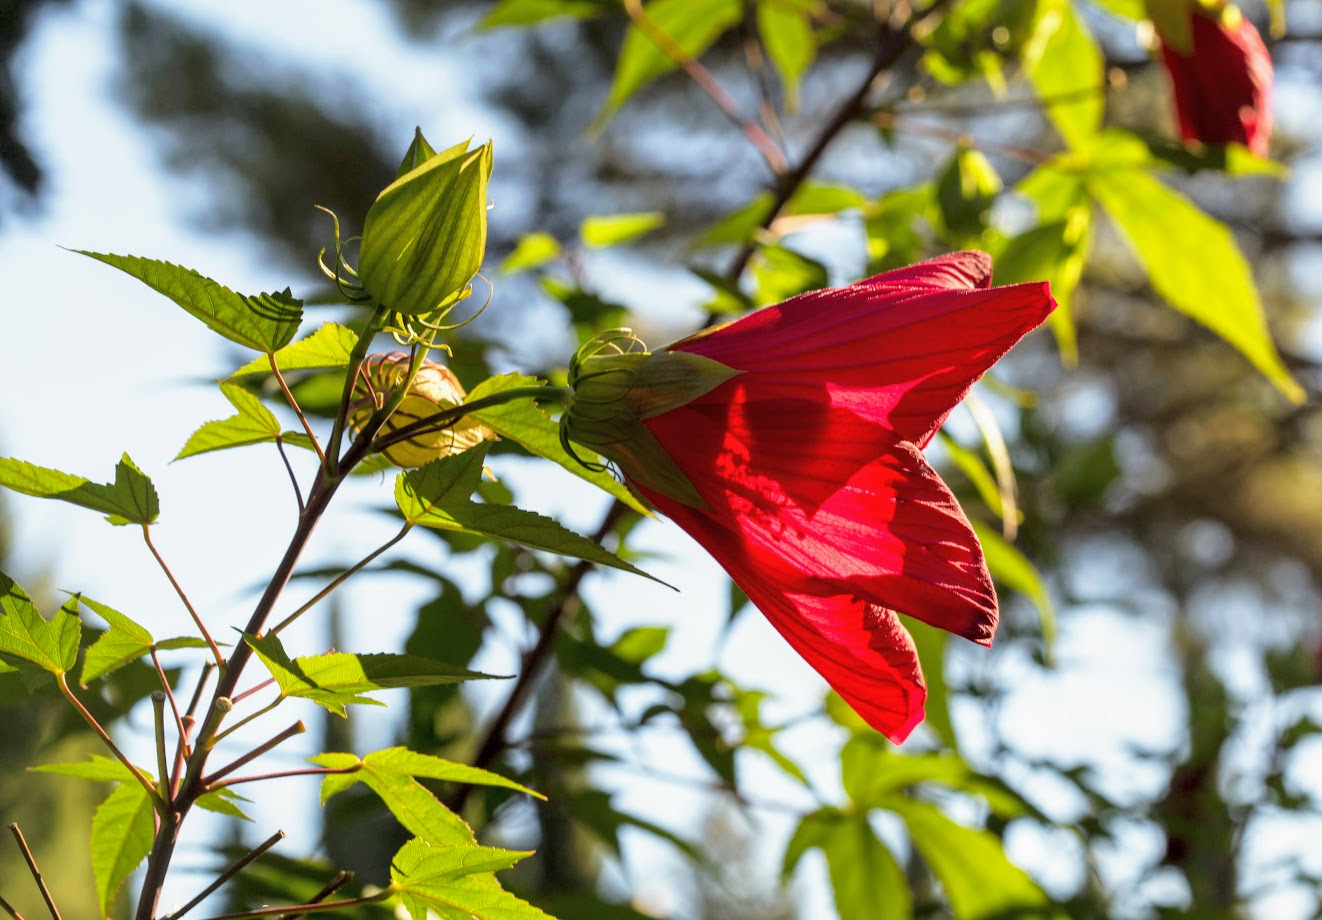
1068, 74
130, 499
531, 12
614, 229
532, 250
328, 347
781, 273
121, 838
50, 644
426, 234
263, 322
691, 26
457, 882
337, 679
124, 642
1054, 252
979, 881
98, 768
400, 761
437, 496
1193, 262
865, 878
524, 423
931, 644
1012, 569
222, 802
255, 424
739, 225
787, 35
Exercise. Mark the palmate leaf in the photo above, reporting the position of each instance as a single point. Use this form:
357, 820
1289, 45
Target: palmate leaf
393, 775
52, 645
254, 424
328, 347
125, 641
456, 882
523, 422
865, 878
130, 499
263, 322
121, 838
437, 496
337, 679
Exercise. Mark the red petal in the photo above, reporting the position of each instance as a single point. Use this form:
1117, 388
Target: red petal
901, 353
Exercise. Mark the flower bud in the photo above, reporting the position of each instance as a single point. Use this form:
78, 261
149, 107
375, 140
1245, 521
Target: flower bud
425, 236
435, 388
614, 393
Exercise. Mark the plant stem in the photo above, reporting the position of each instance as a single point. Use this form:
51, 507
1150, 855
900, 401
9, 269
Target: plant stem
297, 728
341, 879
308, 908
36, 872
293, 404
215, 649
9, 909
356, 358
157, 802
201, 685
289, 468
162, 767
228, 874
341, 579
494, 741
311, 771
169, 694
255, 688
246, 719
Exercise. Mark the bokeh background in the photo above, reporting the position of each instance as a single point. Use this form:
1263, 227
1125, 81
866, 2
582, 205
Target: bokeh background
1172, 499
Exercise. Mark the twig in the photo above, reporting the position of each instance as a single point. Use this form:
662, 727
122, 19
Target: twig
9, 909
157, 802
255, 688
293, 404
201, 685
158, 718
307, 908
215, 649
883, 119
248, 718
700, 75
297, 728
289, 468
341, 579
310, 771
36, 872
169, 695
341, 879
228, 874
493, 741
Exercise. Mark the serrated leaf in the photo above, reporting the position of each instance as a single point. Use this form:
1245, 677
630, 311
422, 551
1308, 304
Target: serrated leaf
183, 642
263, 322
1193, 262
328, 347
457, 882
130, 499
865, 878
254, 424
977, 877
1068, 73
123, 642
691, 25
402, 762
524, 423
1012, 569
52, 644
436, 496
121, 838
614, 229
532, 250
98, 768
337, 679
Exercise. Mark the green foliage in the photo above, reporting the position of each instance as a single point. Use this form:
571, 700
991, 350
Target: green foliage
254, 424
130, 499
263, 322
123, 643
1069, 74
612, 230
532, 251
52, 645
457, 881
327, 348
337, 679
121, 838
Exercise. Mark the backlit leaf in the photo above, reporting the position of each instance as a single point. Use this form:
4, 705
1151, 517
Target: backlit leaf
130, 499
865, 878
121, 838
123, 642
50, 644
263, 322
457, 882
328, 347
254, 424
614, 229
1068, 73
532, 250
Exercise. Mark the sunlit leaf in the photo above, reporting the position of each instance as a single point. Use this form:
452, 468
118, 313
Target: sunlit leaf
457, 882
1069, 74
130, 499
614, 229
123, 642
531, 12
786, 31
254, 424
50, 644
263, 322
866, 881
97, 768
328, 347
121, 838
532, 250
223, 802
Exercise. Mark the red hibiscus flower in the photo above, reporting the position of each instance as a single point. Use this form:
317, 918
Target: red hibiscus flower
1223, 83
796, 461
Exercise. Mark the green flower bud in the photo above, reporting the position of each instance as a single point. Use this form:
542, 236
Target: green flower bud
615, 393
435, 388
426, 234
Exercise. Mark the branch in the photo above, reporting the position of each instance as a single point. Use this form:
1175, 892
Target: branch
293, 404
228, 874
297, 728
341, 879
308, 908
215, 649
157, 802
36, 873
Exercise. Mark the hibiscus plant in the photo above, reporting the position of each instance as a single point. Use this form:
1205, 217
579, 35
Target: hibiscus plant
787, 438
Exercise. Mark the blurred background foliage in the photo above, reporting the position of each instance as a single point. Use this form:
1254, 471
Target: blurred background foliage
1159, 479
